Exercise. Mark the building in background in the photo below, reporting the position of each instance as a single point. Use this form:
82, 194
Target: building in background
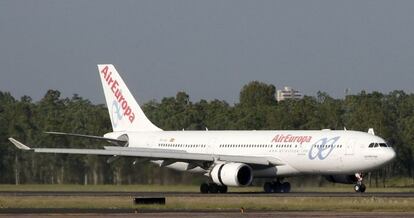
288, 93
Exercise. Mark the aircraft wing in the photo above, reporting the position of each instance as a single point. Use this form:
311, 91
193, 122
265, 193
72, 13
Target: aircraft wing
154, 153
120, 142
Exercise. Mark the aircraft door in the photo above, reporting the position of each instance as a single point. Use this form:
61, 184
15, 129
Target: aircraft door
350, 147
150, 141
211, 145
302, 150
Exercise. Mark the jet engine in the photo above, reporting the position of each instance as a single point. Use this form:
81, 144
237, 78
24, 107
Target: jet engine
232, 174
344, 179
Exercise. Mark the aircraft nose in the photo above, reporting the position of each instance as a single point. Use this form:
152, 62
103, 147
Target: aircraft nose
390, 154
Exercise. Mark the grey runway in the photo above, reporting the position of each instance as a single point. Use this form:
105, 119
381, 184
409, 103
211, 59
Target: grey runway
196, 194
131, 213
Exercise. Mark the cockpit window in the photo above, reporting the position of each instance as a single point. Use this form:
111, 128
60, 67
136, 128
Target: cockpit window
376, 145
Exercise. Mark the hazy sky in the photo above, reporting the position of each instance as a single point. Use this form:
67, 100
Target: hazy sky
209, 49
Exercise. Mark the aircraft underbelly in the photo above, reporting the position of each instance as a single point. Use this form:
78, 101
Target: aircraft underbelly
275, 171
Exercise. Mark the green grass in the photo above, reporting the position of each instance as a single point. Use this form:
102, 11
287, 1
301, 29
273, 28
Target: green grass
218, 203
401, 182
214, 203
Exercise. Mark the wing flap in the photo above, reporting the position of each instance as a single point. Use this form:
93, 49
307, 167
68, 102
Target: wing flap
260, 160
119, 141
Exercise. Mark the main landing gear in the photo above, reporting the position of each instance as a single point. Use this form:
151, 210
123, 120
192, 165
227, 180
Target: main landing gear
359, 186
276, 187
212, 188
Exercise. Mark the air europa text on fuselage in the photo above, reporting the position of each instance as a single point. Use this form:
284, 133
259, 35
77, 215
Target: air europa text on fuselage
114, 86
291, 138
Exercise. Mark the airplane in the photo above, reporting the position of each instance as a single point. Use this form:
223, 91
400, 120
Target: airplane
231, 158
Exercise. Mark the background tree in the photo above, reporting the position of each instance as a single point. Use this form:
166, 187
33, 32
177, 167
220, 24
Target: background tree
391, 115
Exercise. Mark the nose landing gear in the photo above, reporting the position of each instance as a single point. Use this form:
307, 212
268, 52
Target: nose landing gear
359, 186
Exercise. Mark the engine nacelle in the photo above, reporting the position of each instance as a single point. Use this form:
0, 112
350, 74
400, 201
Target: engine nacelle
344, 179
232, 174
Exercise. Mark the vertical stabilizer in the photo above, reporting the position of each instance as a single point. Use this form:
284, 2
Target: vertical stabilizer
124, 111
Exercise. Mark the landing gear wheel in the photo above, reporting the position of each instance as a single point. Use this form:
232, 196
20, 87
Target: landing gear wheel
204, 187
277, 187
213, 188
285, 187
268, 187
223, 189
360, 188
357, 188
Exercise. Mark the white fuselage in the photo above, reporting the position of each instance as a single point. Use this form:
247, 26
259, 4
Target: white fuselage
325, 152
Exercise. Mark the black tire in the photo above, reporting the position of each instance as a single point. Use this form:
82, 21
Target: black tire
285, 187
204, 188
223, 189
277, 187
213, 188
268, 187
357, 188
362, 188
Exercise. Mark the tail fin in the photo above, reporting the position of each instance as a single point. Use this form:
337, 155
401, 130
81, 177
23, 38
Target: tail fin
124, 111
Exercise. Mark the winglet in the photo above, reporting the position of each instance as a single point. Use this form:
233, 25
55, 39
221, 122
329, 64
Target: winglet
18, 144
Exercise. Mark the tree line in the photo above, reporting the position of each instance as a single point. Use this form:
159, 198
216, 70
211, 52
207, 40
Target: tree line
391, 115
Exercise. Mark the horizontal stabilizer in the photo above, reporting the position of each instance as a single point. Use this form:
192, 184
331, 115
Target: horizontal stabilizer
118, 141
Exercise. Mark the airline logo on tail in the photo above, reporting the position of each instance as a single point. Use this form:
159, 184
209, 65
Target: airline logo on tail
116, 113
120, 101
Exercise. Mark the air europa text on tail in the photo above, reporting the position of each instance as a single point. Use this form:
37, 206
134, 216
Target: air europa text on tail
114, 86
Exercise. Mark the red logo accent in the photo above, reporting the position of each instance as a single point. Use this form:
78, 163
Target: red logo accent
114, 86
291, 138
